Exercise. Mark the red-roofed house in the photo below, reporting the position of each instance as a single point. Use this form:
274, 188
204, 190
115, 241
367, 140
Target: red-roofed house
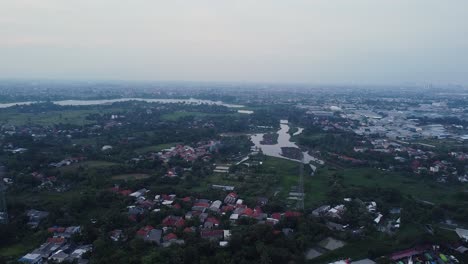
227, 208
211, 222
248, 212
189, 230
276, 216
144, 231
175, 221
125, 192
56, 240
230, 198
289, 214
169, 237
206, 205
212, 234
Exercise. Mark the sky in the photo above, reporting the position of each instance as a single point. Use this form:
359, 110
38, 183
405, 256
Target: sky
306, 41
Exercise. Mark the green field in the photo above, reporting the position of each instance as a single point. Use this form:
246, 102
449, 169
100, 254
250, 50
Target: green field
416, 187
316, 187
75, 117
17, 250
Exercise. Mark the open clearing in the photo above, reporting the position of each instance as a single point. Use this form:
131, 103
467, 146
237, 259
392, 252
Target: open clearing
155, 148
91, 164
131, 176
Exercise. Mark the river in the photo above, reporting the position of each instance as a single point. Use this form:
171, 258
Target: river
284, 140
110, 101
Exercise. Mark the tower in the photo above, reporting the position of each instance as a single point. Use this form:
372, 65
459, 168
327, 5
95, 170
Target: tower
3, 205
300, 202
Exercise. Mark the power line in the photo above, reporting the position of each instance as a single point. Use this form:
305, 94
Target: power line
3, 205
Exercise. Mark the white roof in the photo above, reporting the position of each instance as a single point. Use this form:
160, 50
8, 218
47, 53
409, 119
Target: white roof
462, 233
223, 243
136, 194
234, 217
31, 256
363, 261
378, 218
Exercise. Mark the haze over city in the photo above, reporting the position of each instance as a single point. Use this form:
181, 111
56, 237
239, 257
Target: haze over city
234, 132
320, 41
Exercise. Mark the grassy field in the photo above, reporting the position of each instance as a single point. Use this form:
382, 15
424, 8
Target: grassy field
75, 117
316, 187
308, 137
15, 251
418, 188
131, 176
155, 148
441, 144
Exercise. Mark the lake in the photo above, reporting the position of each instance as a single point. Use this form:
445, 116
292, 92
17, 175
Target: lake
110, 101
284, 140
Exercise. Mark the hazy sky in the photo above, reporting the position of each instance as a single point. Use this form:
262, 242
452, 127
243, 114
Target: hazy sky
317, 41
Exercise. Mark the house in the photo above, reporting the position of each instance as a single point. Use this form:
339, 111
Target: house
211, 222
117, 235
234, 217
216, 205
154, 236
363, 261
258, 214
59, 256
149, 234
276, 216
213, 235
169, 237
70, 253
144, 231
336, 211
230, 198
202, 217
106, 147
462, 233
35, 217
174, 221
31, 258
292, 214
134, 212
139, 193
322, 210
78, 252
63, 232
378, 218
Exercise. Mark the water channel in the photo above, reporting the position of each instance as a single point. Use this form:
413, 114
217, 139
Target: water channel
284, 140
